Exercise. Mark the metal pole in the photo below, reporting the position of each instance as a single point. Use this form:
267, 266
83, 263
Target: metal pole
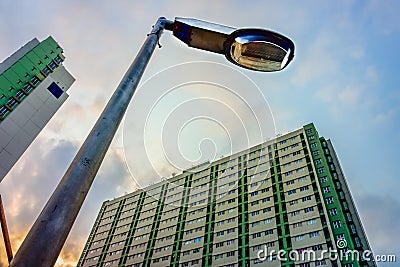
47, 236
4, 229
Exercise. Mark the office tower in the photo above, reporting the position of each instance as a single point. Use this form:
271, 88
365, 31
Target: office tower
33, 85
281, 203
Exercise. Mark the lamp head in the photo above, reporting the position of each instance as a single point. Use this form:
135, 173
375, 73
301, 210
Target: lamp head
254, 49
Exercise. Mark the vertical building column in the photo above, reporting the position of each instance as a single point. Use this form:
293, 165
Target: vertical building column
281, 217
154, 227
180, 228
91, 235
243, 214
132, 229
210, 218
110, 234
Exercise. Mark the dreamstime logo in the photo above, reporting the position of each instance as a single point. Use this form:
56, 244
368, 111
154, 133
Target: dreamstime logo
343, 254
341, 243
189, 115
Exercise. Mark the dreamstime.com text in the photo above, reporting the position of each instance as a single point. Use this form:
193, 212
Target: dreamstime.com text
331, 254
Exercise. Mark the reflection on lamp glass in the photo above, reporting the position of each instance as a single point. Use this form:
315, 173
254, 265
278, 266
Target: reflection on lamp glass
259, 55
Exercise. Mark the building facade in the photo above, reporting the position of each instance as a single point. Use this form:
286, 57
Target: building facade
33, 85
281, 203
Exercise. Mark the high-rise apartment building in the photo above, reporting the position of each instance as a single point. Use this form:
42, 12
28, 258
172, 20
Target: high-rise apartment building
33, 85
281, 203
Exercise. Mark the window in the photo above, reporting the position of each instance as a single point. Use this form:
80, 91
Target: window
296, 153
230, 242
333, 211
266, 199
295, 213
309, 209
329, 200
315, 153
256, 235
320, 170
46, 71
293, 191
20, 94
232, 200
3, 110
219, 244
323, 179
265, 190
337, 224
304, 188
185, 253
306, 198
320, 262
326, 189
299, 237
220, 233
253, 203
265, 210
55, 90
254, 184
257, 248
298, 224
349, 217
267, 221
288, 173
312, 221
316, 247
52, 65
290, 182
11, 102
220, 256
231, 230
340, 237
318, 161
255, 193
313, 145
269, 232
230, 253
254, 213
313, 234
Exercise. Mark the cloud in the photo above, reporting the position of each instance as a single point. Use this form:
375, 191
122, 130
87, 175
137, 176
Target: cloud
31, 182
380, 216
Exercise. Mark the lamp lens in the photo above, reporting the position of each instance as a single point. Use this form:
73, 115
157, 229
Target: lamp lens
259, 55
259, 49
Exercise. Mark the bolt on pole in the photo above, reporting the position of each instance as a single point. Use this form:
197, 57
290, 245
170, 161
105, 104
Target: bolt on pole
47, 236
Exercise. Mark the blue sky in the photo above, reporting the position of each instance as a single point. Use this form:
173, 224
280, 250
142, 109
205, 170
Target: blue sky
343, 78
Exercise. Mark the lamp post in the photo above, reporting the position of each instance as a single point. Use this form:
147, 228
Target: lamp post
254, 49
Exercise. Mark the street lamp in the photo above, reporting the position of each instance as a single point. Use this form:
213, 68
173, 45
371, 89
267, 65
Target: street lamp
254, 49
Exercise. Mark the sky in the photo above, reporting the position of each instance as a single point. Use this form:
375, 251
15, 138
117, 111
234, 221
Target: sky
194, 106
